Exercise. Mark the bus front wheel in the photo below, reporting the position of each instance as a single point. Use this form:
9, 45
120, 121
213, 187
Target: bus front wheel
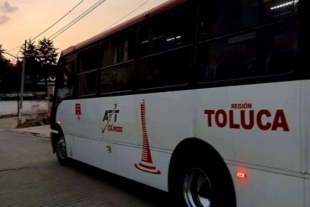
61, 151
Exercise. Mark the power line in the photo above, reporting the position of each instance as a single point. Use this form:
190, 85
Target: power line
59, 20
15, 48
76, 20
128, 14
52, 24
64, 28
18, 52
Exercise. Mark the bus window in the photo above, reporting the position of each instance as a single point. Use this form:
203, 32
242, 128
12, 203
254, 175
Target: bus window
279, 9
167, 69
117, 63
220, 17
117, 78
228, 16
88, 83
169, 32
88, 60
282, 48
269, 51
88, 67
64, 81
165, 50
120, 49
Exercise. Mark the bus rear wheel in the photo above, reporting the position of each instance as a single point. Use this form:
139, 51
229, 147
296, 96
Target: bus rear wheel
61, 151
199, 182
197, 188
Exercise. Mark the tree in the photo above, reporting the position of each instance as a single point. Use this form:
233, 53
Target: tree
47, 52
5, 68
4, 63
31, 55
2, 51
30, 52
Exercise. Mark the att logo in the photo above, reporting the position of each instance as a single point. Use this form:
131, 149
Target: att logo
110, 118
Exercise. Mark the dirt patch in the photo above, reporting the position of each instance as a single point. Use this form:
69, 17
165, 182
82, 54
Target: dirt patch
40, 113
39, 120
7, 116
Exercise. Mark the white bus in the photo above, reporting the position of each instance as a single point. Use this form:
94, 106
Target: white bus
203, 99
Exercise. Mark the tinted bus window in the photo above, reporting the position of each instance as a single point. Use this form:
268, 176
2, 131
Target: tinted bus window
165, 49
232, 15
269, 51
120, 49
166, 69
64, 82
279, 9
88, 59
117, 78
88, 83
169, 32
88, 67
117, 63
221, 17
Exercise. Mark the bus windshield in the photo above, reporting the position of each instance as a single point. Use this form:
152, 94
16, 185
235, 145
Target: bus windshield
64, 83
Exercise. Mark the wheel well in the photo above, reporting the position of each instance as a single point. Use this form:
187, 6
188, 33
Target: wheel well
192, 147
58, 128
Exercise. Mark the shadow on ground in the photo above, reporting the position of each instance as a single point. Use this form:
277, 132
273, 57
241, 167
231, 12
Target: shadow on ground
146, 193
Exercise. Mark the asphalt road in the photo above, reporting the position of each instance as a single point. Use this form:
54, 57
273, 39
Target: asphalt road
31, 176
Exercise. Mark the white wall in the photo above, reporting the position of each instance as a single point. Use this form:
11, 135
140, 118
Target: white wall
29, 107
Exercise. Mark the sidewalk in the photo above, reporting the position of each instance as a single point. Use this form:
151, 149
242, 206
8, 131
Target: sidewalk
41, 131
10, 124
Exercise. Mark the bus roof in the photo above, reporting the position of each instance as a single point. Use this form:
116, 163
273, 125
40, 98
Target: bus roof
157, 10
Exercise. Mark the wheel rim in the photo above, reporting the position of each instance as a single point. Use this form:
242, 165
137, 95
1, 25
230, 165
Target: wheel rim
197, 189
61, 148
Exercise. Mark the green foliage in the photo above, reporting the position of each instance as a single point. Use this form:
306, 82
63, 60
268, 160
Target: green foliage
2, 51
43, 53
47, 52
30, 52
41, 60
4, 63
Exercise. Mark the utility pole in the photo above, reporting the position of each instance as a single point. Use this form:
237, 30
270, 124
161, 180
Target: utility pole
15, 57
20, 111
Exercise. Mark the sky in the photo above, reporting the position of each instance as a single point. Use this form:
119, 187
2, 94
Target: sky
23, 19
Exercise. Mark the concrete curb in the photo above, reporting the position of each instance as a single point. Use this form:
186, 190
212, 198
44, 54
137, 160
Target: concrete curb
40, 135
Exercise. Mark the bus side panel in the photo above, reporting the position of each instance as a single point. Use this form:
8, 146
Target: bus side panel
89, 122
306, 123
169, 118
130, 165
96, 153
307, 193
306, 146
254, 124
66, 115
82, 124
90, 148
261, 188
83, 150
119, 121
162, 121
70, 146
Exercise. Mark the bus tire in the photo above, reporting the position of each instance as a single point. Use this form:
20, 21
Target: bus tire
212, 176
61, 150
